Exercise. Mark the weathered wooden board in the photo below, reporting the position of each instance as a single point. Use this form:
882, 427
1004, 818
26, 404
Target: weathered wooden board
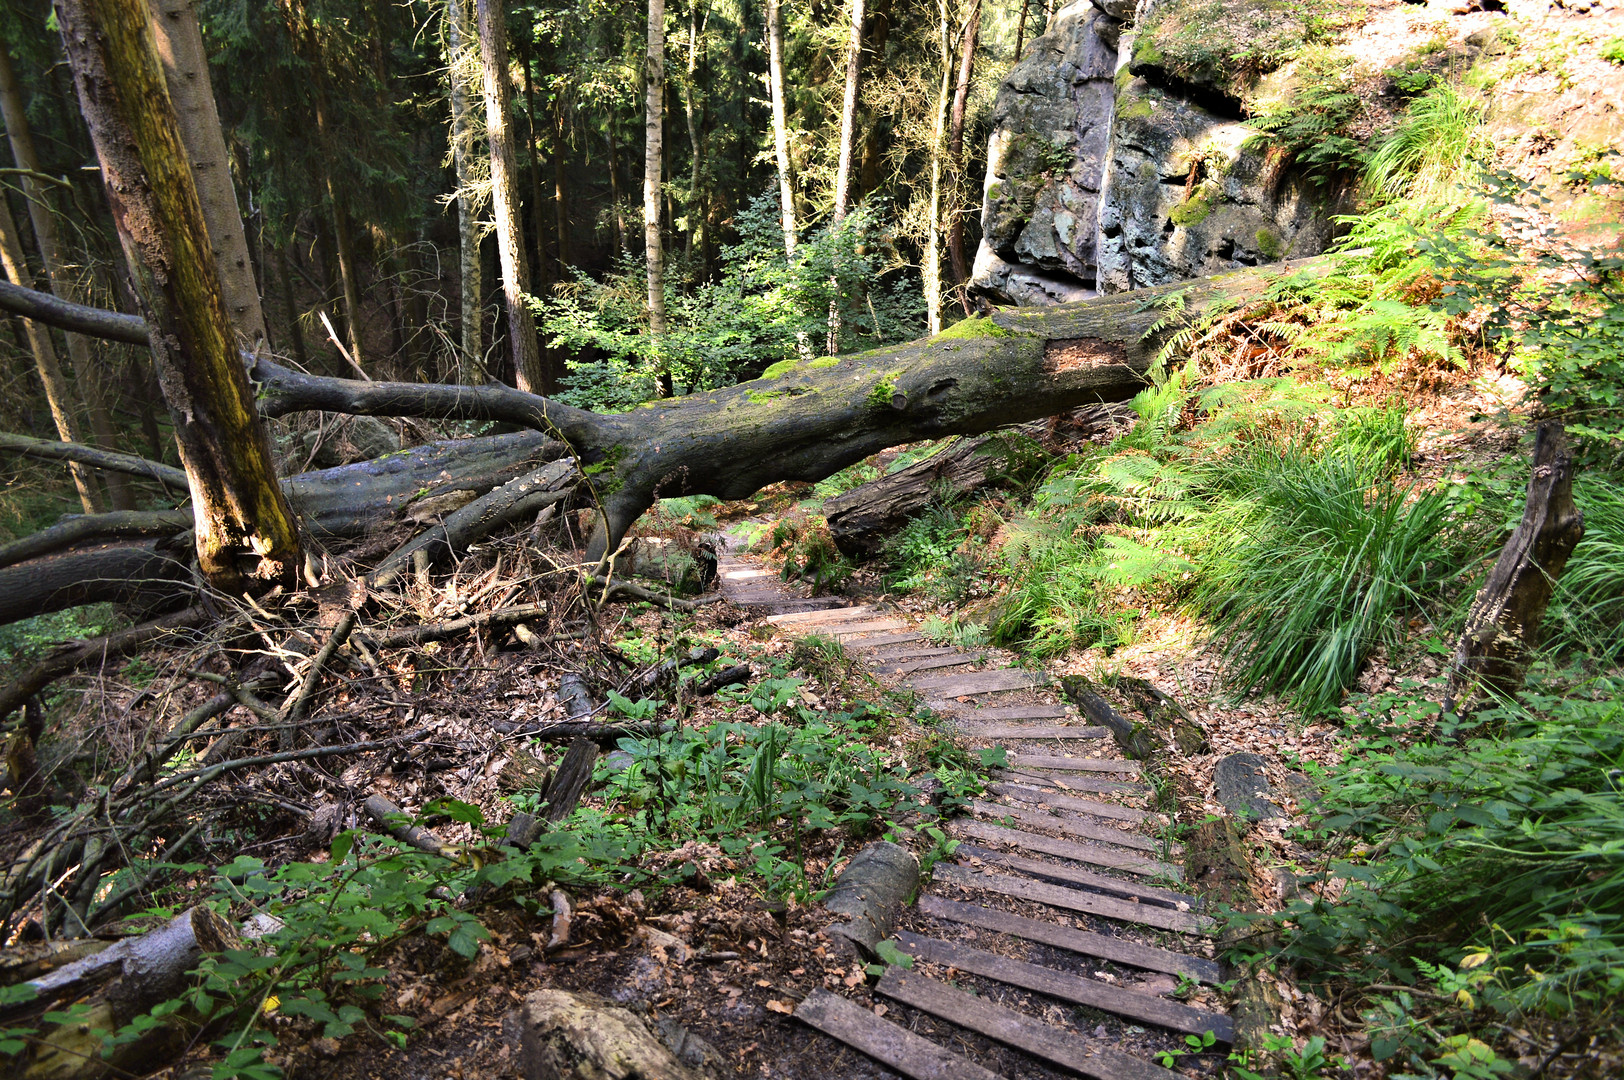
1130, 889
980, 682
929, 663
1146, 1008
1026, 793
1093, 854
880, 641
845, 630
1073, 782
1063, 1048
898, 1048
1044, 932
901, 654
1062, 763
1087, 828
1017, 731
819, 618
1015, 712
1106, 907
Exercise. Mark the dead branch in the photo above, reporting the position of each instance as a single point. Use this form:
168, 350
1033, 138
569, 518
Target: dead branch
398, 824
71, 658
732, 676
167, 475
614, 589
118, 524
562, 916
298, 703
444, 631
575, 696
570, 781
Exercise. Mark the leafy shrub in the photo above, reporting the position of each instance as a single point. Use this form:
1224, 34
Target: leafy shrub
1612, 50
809, 553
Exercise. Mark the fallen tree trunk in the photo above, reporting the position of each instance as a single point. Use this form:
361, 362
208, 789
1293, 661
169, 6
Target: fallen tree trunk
862, 519
805, 420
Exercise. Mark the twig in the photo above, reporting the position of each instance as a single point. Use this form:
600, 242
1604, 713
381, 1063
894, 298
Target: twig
214, 771
342, 351
397, 823
72, 657
615, 589
505, 617
119, 523
294, 709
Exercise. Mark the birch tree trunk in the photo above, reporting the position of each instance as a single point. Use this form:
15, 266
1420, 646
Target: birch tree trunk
527, 370
57, 395
244, 527
848, 114
932, 270
775, 86
186, 72
955, 146
462, 149
653, 148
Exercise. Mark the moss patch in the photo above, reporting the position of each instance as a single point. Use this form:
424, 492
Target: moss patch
880, 397
972, 328
824, 362
1270, 244
1224, 45
780, 369
1191, 211
1139, 109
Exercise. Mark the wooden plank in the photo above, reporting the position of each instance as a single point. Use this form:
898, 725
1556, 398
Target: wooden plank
1146, 1008
1060, 763
1026, 793
879, 641
1105, 907
1017, 712
817, 618
1130, 889
846, 630
1117, 950
1086, 828
901, 654
1063, 1048
892, 1046
929, 663
743, 573
1074, 782
980, 682
1033, 731
1093, 854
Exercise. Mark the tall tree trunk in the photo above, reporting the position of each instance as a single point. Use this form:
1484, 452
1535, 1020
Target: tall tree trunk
653, 151
561, 216
615, 195
690, 110
186, 71
932, 271
462, 149
527, 370
244, 526
775, 84
297, 331
955, 148
21, 137
543, 270
848, 114
1020, 30
57, 394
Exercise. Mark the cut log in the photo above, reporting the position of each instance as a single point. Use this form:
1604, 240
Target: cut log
1502, 627
869, 892
1134, 739
1165, 716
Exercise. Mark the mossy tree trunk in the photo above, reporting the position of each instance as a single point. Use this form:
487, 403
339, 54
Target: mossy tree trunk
245, 531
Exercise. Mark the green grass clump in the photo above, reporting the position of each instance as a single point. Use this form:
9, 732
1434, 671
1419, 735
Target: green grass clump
1311, 564
1587, 610
1435, 145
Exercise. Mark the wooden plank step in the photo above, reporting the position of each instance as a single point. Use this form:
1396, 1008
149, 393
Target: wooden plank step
1133, 890
1085, 828
1061, 763
817, 618
1024, 888
1014, 712
846, 630
880, 641
1118, 950
980, 682
1094, 785
929, 663
890, 1045
901, 654
1058, 801
1146, 1008
1093, 854
743, 573
1033, 731
1064, 1048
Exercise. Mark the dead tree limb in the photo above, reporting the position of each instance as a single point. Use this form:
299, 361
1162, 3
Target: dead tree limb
732, 676
613, 589
862, 518
119, 524
298, 703
397, 823
1502, 627
500, 619
71, 658
167, 475
571, 779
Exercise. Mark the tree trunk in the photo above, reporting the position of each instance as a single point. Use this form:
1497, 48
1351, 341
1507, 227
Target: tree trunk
653, 149
245, 531
186, 71
862, 519
527, 370
561, 216
805, 423
294, 329
848, 114
348, 272
775, 84
57, 395
932, 270
462, 138
1502, 628
955, 147
690, 111
543, 270
1020, 30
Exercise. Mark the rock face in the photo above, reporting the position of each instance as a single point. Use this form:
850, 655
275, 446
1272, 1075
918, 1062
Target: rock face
1114, 166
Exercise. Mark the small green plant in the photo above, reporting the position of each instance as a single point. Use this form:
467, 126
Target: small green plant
1433, 149
1315, 126
1194, 1044
1612, 50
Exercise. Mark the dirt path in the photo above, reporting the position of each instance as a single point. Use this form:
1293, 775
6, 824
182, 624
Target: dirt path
1056, 934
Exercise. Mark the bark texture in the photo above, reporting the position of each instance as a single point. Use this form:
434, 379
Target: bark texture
955, 142
653, 150
527, 370
775, 87
462, 150
1502, 627
244, 527
848, 112
186, 72
862, 519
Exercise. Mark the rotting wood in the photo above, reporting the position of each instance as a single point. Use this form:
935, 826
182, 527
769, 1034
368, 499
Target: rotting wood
1027, 793
1135, 741
900, 1049
1146, 1008
1060, 763
861, 519
397, 823
1087, 828
1064, 1048
732, 676
1165, 716
566, 786
76, 530
870, 891
1116, 949
1502, 627
1094, 854
1023, 888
